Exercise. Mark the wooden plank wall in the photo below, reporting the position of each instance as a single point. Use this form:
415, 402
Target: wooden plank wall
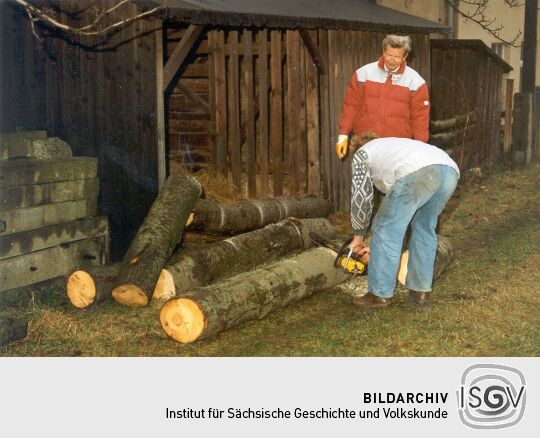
466, 81
101, 100
275, 117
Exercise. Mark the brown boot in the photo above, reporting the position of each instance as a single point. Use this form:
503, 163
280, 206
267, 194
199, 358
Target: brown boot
419, 298
370, 301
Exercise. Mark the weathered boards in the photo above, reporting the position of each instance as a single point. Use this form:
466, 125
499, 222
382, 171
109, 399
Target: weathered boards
155, 240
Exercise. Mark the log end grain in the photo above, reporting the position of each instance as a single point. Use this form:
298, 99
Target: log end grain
130, 295
81, 289
182, 319
402, 272
165, 289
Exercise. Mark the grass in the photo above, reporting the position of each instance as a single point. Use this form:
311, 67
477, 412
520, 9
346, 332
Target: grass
486, 304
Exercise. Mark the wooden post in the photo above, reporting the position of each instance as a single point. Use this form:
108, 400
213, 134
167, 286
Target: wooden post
522, 132
508, 118
160, 108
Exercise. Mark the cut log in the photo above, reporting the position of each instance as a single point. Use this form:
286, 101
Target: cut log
23, 172
16, 221
87, 287
49, 263
206, 311
443, 258
13, 327
238, 217
39, 149
192, 267
34, 240
155, 241
34, 195
12, 144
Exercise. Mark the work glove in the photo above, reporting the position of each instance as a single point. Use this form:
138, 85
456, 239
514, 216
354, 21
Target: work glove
341, 145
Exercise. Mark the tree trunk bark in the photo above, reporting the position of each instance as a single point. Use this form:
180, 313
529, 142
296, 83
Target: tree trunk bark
155, 241
206, 311
88, 287
237, 217
13, 327
192, 267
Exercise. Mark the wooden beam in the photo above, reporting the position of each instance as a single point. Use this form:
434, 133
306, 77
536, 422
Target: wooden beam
180, 53
314, 51
194, 97
160, 111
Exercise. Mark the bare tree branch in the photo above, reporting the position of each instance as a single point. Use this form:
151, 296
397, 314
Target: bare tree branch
93, 29
476, 12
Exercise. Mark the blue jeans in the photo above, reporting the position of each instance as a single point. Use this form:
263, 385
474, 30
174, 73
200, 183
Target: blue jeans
418, 199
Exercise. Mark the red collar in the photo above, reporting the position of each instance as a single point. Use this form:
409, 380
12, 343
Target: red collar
399, 71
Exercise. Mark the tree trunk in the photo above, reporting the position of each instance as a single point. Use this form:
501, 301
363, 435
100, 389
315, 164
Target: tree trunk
206, 311
237, 217
13, 327
92, 286
192, 267
155, 241
443, 258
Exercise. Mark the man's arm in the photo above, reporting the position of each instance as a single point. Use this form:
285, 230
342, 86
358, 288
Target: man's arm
420, 113
352, 105
362, 193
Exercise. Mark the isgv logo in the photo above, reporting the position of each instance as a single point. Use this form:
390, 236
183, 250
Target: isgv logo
491, 396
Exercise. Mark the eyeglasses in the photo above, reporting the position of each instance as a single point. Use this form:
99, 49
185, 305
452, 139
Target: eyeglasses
393, 57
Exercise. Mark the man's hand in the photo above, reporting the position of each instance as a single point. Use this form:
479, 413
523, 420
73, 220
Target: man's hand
341, 146
359, 248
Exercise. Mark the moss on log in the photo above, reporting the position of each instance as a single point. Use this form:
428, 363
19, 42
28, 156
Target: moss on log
155, 241
34, 195
218, 218
206, 311
198, 266
92, 286
16, 221
34, 240
24, 172
49, 263
13, 327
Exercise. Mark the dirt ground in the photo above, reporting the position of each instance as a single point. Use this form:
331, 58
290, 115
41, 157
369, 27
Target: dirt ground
486, 304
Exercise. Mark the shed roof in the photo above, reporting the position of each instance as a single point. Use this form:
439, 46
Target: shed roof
477, 45
326, 14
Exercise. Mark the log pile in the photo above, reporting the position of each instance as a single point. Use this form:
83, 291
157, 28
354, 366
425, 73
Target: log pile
48, 206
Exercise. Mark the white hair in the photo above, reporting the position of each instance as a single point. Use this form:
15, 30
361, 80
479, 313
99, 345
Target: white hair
398, 42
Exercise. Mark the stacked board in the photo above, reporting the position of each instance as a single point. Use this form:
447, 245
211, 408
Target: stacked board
48, 207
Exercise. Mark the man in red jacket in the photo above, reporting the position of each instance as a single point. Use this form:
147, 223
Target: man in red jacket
386, 97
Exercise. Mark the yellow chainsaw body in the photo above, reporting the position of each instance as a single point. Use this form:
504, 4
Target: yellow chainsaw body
355, 267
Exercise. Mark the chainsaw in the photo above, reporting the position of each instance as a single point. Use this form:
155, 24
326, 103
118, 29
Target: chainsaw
345, 258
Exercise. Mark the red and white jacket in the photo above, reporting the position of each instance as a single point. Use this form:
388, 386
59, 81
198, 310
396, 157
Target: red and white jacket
391, 104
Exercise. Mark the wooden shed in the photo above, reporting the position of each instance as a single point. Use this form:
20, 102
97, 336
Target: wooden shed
250, 88
467, 86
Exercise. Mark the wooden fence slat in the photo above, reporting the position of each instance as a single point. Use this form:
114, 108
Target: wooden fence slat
302, 125
312, 116
234, 110
277, 112
508, 118
263, 110
250, 114
293, 101
211, 35
326, 143
220, 85
335, 111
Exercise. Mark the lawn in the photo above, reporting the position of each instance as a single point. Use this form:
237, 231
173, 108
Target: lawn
486, 304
